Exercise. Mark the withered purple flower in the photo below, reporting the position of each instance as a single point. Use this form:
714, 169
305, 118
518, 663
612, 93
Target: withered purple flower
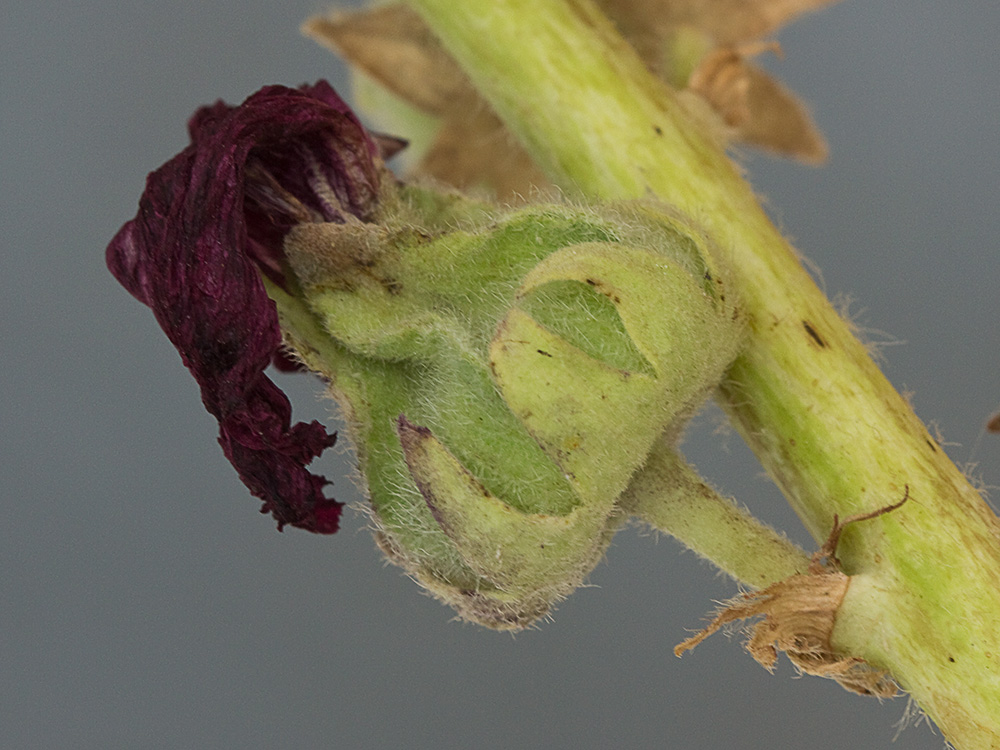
210, 221
503, 372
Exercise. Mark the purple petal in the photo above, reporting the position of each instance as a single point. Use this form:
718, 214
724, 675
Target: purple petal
210, 221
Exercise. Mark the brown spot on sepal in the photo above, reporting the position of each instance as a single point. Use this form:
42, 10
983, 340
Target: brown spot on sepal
799, 613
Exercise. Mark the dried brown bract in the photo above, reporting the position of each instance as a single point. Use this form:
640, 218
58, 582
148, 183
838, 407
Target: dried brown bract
798, 618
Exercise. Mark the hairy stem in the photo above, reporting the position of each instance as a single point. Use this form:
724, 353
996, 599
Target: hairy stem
822, 419
671, 497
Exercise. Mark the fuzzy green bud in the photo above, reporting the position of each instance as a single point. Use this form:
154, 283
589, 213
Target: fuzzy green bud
505, 375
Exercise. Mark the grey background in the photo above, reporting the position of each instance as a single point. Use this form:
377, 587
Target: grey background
145, 604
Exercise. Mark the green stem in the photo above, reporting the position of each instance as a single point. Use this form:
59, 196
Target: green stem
822, 419
671, 497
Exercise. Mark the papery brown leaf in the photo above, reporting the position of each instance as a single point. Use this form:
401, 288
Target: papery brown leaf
726, 21
392, 44
755, 107
780, 122
723, 80
474, 150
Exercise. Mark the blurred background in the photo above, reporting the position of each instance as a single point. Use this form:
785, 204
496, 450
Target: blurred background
144, 603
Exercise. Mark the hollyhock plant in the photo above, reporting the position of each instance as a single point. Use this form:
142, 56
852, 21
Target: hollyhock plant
515, 379
921, 598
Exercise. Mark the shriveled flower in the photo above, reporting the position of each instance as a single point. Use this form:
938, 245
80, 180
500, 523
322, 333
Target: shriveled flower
503, 373
701, 47
210, 221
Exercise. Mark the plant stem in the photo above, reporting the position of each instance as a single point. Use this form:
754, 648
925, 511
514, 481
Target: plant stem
825, 423
671, 497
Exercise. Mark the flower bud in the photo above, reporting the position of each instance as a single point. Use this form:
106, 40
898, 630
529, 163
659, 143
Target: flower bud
504, 376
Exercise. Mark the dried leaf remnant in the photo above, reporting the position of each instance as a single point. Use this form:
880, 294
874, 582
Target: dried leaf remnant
799, 614
699, 46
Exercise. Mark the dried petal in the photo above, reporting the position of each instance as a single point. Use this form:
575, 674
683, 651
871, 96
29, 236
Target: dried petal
210, 221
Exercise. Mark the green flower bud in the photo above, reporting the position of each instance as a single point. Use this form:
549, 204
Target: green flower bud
504, 376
